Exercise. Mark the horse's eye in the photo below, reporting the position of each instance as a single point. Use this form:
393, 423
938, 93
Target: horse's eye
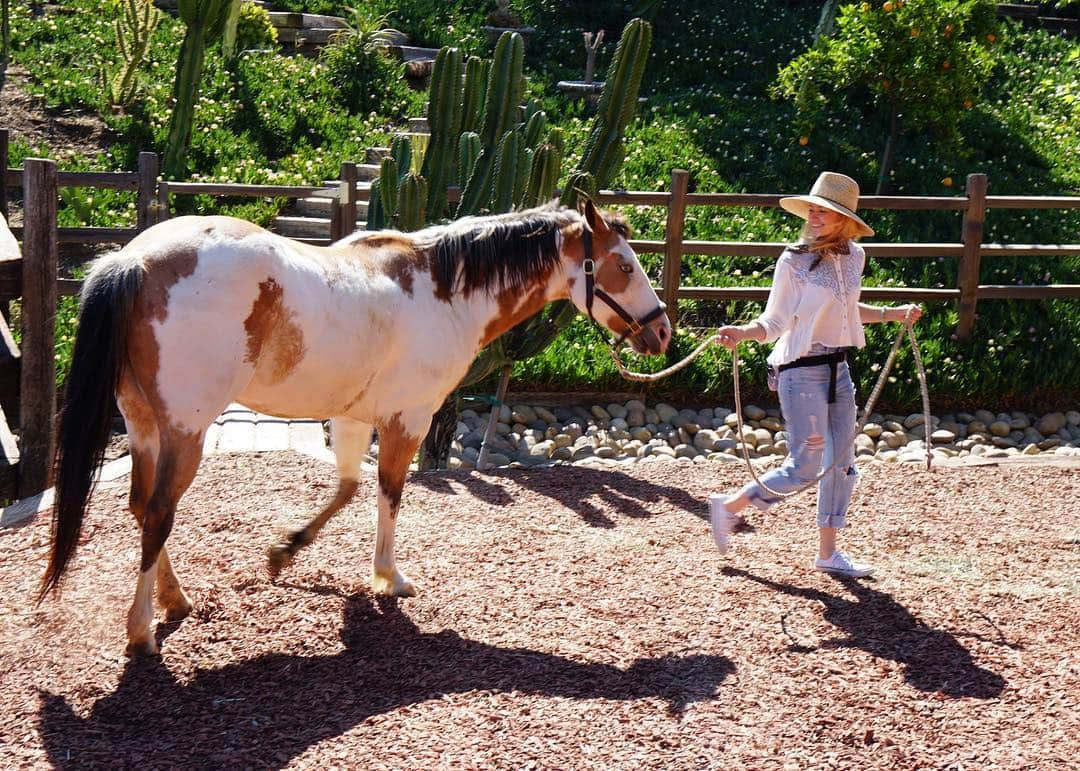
626, 267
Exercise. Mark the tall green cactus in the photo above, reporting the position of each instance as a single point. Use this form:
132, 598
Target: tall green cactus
412, 194
506, 170
476, 79
134, 30
444, 122
604, 150
204, 20
468, 152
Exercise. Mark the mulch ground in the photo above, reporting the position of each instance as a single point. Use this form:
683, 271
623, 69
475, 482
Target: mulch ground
568, 618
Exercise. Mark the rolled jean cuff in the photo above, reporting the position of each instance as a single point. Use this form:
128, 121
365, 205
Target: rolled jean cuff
837, 521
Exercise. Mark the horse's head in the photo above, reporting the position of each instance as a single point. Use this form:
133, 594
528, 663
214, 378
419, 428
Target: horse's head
608, 283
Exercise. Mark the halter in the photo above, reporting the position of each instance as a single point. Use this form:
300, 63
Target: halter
634, 327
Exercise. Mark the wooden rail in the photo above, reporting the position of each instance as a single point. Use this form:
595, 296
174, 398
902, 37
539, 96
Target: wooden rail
27, 378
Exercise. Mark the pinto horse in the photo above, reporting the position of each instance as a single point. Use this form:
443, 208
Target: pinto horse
374, 330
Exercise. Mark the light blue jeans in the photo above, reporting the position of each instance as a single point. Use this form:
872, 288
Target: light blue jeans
804, 395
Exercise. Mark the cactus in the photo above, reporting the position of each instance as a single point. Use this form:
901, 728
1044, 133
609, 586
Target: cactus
134, 30
543, 177
204, 20
412, 194
476, 78
534, 128
604, 150
228, 33
401, 149
506, 169
376, 215
444, 120
388, 186
468, 152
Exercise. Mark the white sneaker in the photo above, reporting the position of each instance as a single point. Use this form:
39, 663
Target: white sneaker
843, 565
723, 522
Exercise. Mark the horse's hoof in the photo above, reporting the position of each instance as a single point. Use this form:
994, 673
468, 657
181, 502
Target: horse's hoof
396, 585
277, 559
178, 612
141, 648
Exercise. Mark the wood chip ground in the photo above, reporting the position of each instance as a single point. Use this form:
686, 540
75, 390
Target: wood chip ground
568, 619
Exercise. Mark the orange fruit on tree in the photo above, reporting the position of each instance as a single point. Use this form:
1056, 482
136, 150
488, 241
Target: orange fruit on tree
804, 140
968, 104
887, 7
945, 65
947, 181
991, 37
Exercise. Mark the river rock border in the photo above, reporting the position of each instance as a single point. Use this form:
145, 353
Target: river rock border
631, 432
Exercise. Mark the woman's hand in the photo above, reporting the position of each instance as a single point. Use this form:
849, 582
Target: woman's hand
730, 337
911, 312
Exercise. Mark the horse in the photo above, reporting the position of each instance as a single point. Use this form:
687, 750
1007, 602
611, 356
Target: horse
372, 331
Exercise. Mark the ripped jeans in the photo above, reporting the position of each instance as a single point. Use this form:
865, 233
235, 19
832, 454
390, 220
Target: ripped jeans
803, 394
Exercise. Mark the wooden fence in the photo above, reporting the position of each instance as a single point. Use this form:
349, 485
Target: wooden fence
28, 373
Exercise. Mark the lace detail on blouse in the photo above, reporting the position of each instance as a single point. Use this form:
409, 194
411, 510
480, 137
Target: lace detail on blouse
825, 274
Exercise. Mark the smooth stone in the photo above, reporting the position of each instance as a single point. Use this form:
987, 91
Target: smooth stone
753, 412
872, 430
1000, 428
1051, 423
545, 415
943, 436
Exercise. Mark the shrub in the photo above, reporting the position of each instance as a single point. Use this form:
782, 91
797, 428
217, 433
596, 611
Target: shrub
254, 28
365, 79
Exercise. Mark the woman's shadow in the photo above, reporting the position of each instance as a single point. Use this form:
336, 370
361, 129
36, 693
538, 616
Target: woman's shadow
265, 711
934, 661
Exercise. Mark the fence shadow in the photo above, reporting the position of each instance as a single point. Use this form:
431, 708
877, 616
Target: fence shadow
573, 487
265, 711
933, 659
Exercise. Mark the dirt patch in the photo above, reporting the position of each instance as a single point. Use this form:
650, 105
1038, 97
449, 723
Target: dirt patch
568, 618
60, 133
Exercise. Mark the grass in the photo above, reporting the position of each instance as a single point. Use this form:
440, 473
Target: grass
708, 111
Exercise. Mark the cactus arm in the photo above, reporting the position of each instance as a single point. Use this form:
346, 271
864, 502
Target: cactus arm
376, 216
505, 87
506, 166
444, 119
468, 152
412, 195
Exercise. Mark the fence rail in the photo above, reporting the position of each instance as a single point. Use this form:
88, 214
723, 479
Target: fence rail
27, 377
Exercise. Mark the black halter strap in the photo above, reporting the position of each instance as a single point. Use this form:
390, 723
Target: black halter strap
634, 327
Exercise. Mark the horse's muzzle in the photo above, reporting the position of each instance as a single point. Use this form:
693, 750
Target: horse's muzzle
653, 338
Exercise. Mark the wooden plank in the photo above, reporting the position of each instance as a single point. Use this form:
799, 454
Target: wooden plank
38, 374
899, 202
1029, 250
89, 235
251, 191
773, 249
3, 171
967, 278
673, 236
909, 294
10, 374
147, 199
347, 198
1013, 292
1032, 202
116, 180
9, 461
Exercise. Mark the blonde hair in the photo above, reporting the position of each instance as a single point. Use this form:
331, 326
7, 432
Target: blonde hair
833, 242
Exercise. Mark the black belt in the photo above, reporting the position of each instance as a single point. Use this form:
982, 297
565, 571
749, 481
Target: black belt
832, 359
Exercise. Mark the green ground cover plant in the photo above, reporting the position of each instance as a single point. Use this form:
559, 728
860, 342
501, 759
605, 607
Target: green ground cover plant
709, 109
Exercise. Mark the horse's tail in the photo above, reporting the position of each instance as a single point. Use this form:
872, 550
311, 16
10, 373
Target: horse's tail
108, 297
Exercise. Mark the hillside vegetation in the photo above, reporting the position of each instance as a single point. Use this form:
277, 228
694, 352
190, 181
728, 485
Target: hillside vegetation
707, 109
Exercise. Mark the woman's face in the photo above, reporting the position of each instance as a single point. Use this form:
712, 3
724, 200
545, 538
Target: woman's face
823, 221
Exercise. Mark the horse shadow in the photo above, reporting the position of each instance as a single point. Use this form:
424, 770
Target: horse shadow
933, 659
573, 487
265, 711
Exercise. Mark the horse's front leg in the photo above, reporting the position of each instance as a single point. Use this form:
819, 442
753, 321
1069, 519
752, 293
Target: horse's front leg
351, 440
398, 440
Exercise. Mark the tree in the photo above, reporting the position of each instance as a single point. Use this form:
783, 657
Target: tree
923, 62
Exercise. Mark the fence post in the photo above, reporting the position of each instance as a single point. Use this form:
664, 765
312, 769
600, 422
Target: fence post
37, 389
673, 239
967, 278
148, 174
347, 197
3, 172
162, 212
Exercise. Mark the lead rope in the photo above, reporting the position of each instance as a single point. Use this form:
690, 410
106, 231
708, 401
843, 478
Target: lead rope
907, 330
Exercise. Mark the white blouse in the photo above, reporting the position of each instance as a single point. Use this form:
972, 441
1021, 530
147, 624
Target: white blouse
814, 306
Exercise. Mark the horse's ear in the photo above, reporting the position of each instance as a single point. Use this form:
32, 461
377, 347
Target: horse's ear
592, 216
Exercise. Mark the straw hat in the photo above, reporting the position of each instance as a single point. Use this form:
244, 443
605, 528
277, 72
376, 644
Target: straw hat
836, 192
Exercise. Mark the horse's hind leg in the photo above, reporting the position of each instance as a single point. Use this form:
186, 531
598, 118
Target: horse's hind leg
177, 462
351, 440
144, 446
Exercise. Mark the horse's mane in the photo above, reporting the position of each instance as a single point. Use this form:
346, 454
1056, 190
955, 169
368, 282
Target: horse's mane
500, 252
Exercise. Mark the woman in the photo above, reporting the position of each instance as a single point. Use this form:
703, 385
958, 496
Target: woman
814, 314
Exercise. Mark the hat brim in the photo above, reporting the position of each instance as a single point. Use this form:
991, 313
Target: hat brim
799, 205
